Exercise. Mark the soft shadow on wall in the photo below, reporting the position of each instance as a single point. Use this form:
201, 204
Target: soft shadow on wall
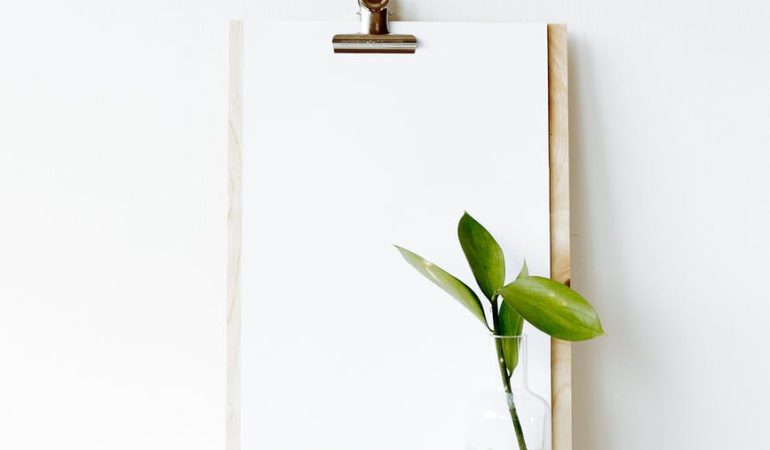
588, 166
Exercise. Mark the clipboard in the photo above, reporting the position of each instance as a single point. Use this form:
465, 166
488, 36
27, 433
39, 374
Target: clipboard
558, 159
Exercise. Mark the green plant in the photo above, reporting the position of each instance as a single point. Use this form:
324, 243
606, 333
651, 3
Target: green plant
548, 305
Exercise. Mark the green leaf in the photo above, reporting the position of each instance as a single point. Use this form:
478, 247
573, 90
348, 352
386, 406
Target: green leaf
511, 324
524, 272
553, 308
483, 254
454, 287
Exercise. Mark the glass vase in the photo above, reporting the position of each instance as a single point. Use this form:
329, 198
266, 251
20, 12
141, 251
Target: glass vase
509, 417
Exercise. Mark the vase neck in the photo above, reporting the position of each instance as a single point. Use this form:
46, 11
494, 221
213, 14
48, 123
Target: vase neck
519, 377
518, 380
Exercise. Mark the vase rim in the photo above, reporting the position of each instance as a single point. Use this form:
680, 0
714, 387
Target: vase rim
499, 336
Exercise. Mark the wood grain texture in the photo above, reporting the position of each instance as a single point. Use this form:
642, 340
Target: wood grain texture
558, 131
234, 225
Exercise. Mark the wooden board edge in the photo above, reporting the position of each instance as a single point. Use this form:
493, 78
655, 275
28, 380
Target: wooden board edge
234, 227
558, 143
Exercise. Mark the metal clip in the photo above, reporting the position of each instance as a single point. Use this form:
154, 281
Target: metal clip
374, 36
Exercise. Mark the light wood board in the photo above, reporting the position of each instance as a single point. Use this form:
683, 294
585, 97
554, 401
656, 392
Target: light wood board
558, 131
560, 234
234, 224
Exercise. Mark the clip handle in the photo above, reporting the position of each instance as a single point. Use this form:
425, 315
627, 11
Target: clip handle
374, 16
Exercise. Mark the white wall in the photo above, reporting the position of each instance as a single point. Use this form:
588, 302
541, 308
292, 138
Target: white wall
112, 206
670, 140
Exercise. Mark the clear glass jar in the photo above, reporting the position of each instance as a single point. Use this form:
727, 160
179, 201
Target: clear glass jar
492, 416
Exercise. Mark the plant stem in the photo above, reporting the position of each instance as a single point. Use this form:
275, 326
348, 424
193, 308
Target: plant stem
506, 379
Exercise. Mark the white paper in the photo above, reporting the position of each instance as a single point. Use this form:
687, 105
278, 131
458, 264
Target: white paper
345, 346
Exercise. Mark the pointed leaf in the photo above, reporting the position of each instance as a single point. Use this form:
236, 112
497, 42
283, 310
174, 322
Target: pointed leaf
511, 324
553, 308
454, 287
524, 272
483, 254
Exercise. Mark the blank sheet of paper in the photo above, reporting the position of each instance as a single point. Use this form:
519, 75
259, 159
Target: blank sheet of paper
344, 345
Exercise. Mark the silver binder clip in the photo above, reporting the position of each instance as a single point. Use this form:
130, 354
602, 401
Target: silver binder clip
374, 36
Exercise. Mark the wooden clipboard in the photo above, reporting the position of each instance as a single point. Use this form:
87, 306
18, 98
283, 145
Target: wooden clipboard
561, 383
